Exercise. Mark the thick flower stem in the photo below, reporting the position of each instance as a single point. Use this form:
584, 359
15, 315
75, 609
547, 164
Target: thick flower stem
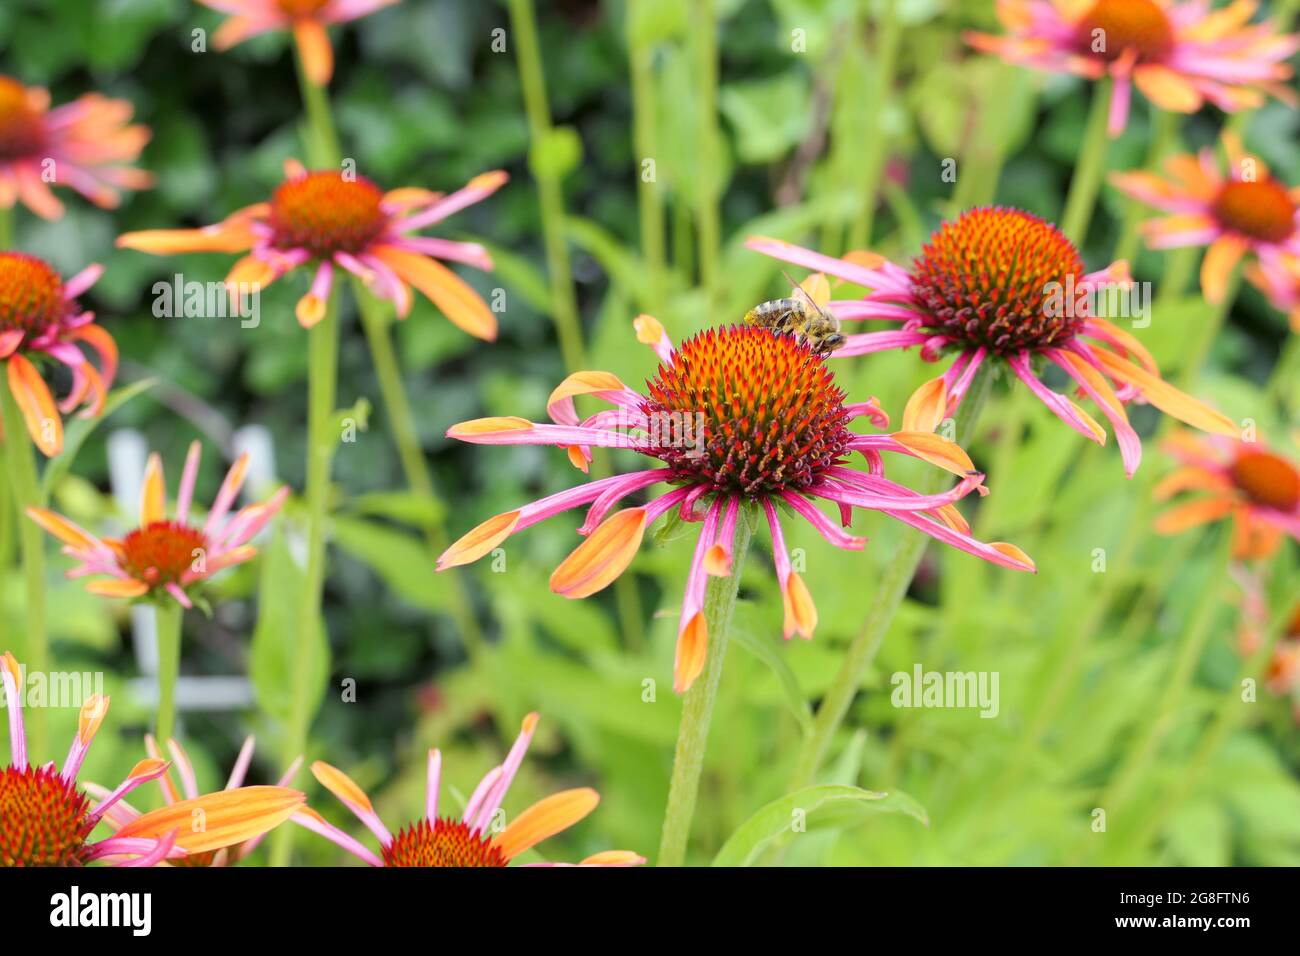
1164, 128
875, 152
564, 306
25, 493
697, 709
1082, 198
889, 595
564, 303
322, 437
650, 199
167, 617
418, 477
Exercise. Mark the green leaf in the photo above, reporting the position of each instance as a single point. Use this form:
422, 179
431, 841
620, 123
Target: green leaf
274, 656
407, 507
400, 559
770, 116
744, 845
79, 429
765, 648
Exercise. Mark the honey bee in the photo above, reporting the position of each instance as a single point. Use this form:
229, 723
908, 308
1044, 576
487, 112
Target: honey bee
801, 318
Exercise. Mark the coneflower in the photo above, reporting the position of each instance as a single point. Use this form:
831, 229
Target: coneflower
736, 416
1004, 286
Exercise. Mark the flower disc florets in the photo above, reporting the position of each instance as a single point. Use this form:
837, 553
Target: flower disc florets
991, 277
742, 409
446, 842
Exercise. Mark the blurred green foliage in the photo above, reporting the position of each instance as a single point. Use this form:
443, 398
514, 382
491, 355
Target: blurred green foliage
421, 99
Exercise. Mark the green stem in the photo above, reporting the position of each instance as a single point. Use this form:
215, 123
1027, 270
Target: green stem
167, 618
6, 227
697, 709
322, 437
375, 322
703, 41
889, 595
649, 196
875, 152
1286, 369
322, 388
1082, 198
564, 307
322, 139
1165, 125
1209, 331
25, 487
564, 303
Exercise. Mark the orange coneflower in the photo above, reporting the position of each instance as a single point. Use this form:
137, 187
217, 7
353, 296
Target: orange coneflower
167, 555
45, 820
86, 145
736, 416
1003, 285
331, 220
306, 18
1179, 54
1245, 211
123, 814
471, 841
1255, 486
40, 319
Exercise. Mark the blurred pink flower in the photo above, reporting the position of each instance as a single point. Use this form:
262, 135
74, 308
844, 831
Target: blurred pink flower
1179, 54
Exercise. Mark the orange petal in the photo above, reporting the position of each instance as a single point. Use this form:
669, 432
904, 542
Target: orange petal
1216, 268
800, 611
717, 561
600, 559
229, 236
649, 330
341, 785
310, 310
60, 527
1014, 553
489, 426
1192, 514
1167, 89
1189, 478
545, 818
92, 714
219, 819
614, 858
937, 450
479, 541
153, 494
583, 383
44, 423
1165, 397
249, 272
692, 653
118, 588
444, 288
927, 407
1127, 341
314, 48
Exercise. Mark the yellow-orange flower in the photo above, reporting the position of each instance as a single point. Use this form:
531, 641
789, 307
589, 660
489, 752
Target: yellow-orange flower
40, 322
307, 19
86, 145
330, 220
1246, 481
